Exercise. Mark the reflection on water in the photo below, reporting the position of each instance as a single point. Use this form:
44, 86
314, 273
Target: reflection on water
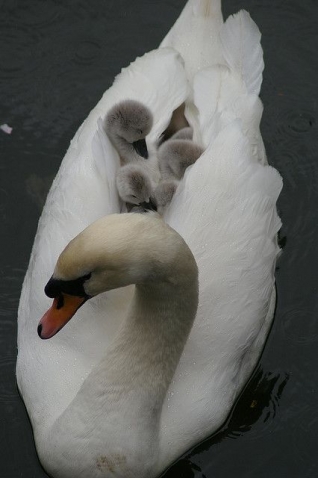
56, 60
259, 402
37, 188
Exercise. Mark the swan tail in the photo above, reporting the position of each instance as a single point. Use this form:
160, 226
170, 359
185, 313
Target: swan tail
242, 51
195, 35
227, 92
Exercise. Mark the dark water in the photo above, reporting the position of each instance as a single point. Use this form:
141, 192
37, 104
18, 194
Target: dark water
56, 59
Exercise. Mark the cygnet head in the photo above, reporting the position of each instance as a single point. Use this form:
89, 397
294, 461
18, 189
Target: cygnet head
129, 121
175, 156
133, 184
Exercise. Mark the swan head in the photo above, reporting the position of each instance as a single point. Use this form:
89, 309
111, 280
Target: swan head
113, 252
130, 121
133, 184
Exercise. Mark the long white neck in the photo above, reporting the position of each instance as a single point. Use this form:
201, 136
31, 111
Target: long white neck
147, 350
123, 396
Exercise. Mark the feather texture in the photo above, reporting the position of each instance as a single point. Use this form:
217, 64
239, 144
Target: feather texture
204, 20
240, 38
235, 214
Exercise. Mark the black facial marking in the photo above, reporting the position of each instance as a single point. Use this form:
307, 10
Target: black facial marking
140, 147
60, 302
55, 287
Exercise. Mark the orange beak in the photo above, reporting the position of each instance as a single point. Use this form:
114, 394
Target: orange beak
62, 310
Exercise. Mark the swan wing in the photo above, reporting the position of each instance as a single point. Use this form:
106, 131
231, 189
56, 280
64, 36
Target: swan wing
225, 209
225, 92
231, 228
242, 52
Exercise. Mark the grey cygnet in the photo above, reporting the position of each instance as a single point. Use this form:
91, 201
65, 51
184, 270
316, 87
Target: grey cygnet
133, 184
164, 193
184, 133
127, 124
175, 156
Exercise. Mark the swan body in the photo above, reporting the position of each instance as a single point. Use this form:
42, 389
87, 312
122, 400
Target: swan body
224, 209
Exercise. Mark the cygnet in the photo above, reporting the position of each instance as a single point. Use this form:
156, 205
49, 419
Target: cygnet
133, 184
127, 124
175, 156
184, 133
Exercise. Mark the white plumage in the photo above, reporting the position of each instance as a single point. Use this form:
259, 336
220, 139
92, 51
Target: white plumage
224, 208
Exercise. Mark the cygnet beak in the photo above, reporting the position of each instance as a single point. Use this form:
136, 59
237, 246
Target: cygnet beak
140, 147
149, 206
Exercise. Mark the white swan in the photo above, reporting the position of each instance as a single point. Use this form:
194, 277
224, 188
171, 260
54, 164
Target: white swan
225, 209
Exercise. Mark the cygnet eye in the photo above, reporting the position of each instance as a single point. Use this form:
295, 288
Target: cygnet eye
139, 131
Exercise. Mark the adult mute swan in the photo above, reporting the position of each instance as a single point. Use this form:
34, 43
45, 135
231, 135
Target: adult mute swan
225, 211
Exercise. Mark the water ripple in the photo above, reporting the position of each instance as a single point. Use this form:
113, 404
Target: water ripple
299, 325
259, 403
22, 50
36, 14
305, 441
86, 52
